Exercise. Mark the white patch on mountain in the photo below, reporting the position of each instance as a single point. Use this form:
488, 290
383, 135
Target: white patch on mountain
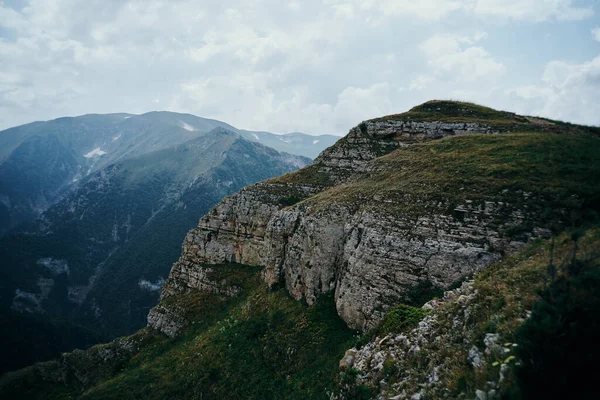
4, 199
115, 233
114, 139
151, 287
224, 183
56, 267
187, 127
31, 302
255, 136
97, 152
77, 294
315, 141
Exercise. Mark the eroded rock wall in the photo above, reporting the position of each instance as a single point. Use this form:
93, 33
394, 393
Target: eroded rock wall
370, 256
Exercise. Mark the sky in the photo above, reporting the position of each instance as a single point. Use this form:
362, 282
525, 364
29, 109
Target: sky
297, 65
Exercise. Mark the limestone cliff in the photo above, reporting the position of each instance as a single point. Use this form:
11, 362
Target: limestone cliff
464, 347
363, 222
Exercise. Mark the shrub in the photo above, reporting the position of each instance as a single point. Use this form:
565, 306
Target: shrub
401, 318
558, 345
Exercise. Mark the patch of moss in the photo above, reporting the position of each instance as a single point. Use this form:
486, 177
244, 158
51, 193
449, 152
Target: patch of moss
313, 175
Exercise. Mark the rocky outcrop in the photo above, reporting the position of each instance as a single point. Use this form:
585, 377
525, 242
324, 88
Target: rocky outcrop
446, 328
466, 344
372, 259
372, 139
168, 320
368, 252
83, 368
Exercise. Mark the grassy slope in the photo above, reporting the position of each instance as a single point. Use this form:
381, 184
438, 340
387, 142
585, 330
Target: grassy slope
558, 171
504, 291
260, 345
458, 111
549, 355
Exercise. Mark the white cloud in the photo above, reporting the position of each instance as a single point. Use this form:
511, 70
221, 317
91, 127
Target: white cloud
427, 9
568, 92
317, 66
596, 33
150, 286
535, 10
453, 58
531, 10
575, 89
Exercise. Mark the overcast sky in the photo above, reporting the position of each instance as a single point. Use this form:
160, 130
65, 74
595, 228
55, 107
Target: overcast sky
299, 65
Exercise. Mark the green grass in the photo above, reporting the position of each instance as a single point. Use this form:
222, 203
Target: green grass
260, 345
399, 319
460, 112
542, 170
558, 344
311, 175
456, 111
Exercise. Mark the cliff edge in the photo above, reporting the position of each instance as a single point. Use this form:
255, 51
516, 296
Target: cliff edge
401, 208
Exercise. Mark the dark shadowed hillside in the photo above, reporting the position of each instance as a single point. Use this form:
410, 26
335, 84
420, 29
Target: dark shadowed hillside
96, 260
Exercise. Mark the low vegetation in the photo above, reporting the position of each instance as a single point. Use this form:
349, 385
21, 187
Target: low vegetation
560, 173
259, 345
526, 329
459, 111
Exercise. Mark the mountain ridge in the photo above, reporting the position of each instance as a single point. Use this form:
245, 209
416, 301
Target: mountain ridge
97, 257
44, 160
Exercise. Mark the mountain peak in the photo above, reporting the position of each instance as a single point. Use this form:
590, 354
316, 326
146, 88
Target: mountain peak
455, 111
451, 108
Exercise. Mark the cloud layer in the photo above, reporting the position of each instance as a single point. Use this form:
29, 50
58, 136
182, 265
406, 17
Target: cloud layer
314, 66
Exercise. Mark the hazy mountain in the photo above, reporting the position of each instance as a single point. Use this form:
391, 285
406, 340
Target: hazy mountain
98, 257
42, 161
295, 143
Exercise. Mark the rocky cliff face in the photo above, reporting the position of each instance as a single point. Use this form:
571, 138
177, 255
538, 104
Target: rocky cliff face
372, 139
464, 347
370, 250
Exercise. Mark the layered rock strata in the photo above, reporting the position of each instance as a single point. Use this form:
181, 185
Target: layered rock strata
371, 139
370, 255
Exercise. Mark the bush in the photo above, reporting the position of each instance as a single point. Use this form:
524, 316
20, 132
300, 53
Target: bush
558, 345
401, 318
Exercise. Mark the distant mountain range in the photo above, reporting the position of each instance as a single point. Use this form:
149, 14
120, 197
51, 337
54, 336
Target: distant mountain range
42, 161
94, 210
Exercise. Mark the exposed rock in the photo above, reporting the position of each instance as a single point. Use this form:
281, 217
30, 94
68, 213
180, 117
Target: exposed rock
369, 256
348, 360
475, 357
372, 139
166, 320
405, 349
83, 368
